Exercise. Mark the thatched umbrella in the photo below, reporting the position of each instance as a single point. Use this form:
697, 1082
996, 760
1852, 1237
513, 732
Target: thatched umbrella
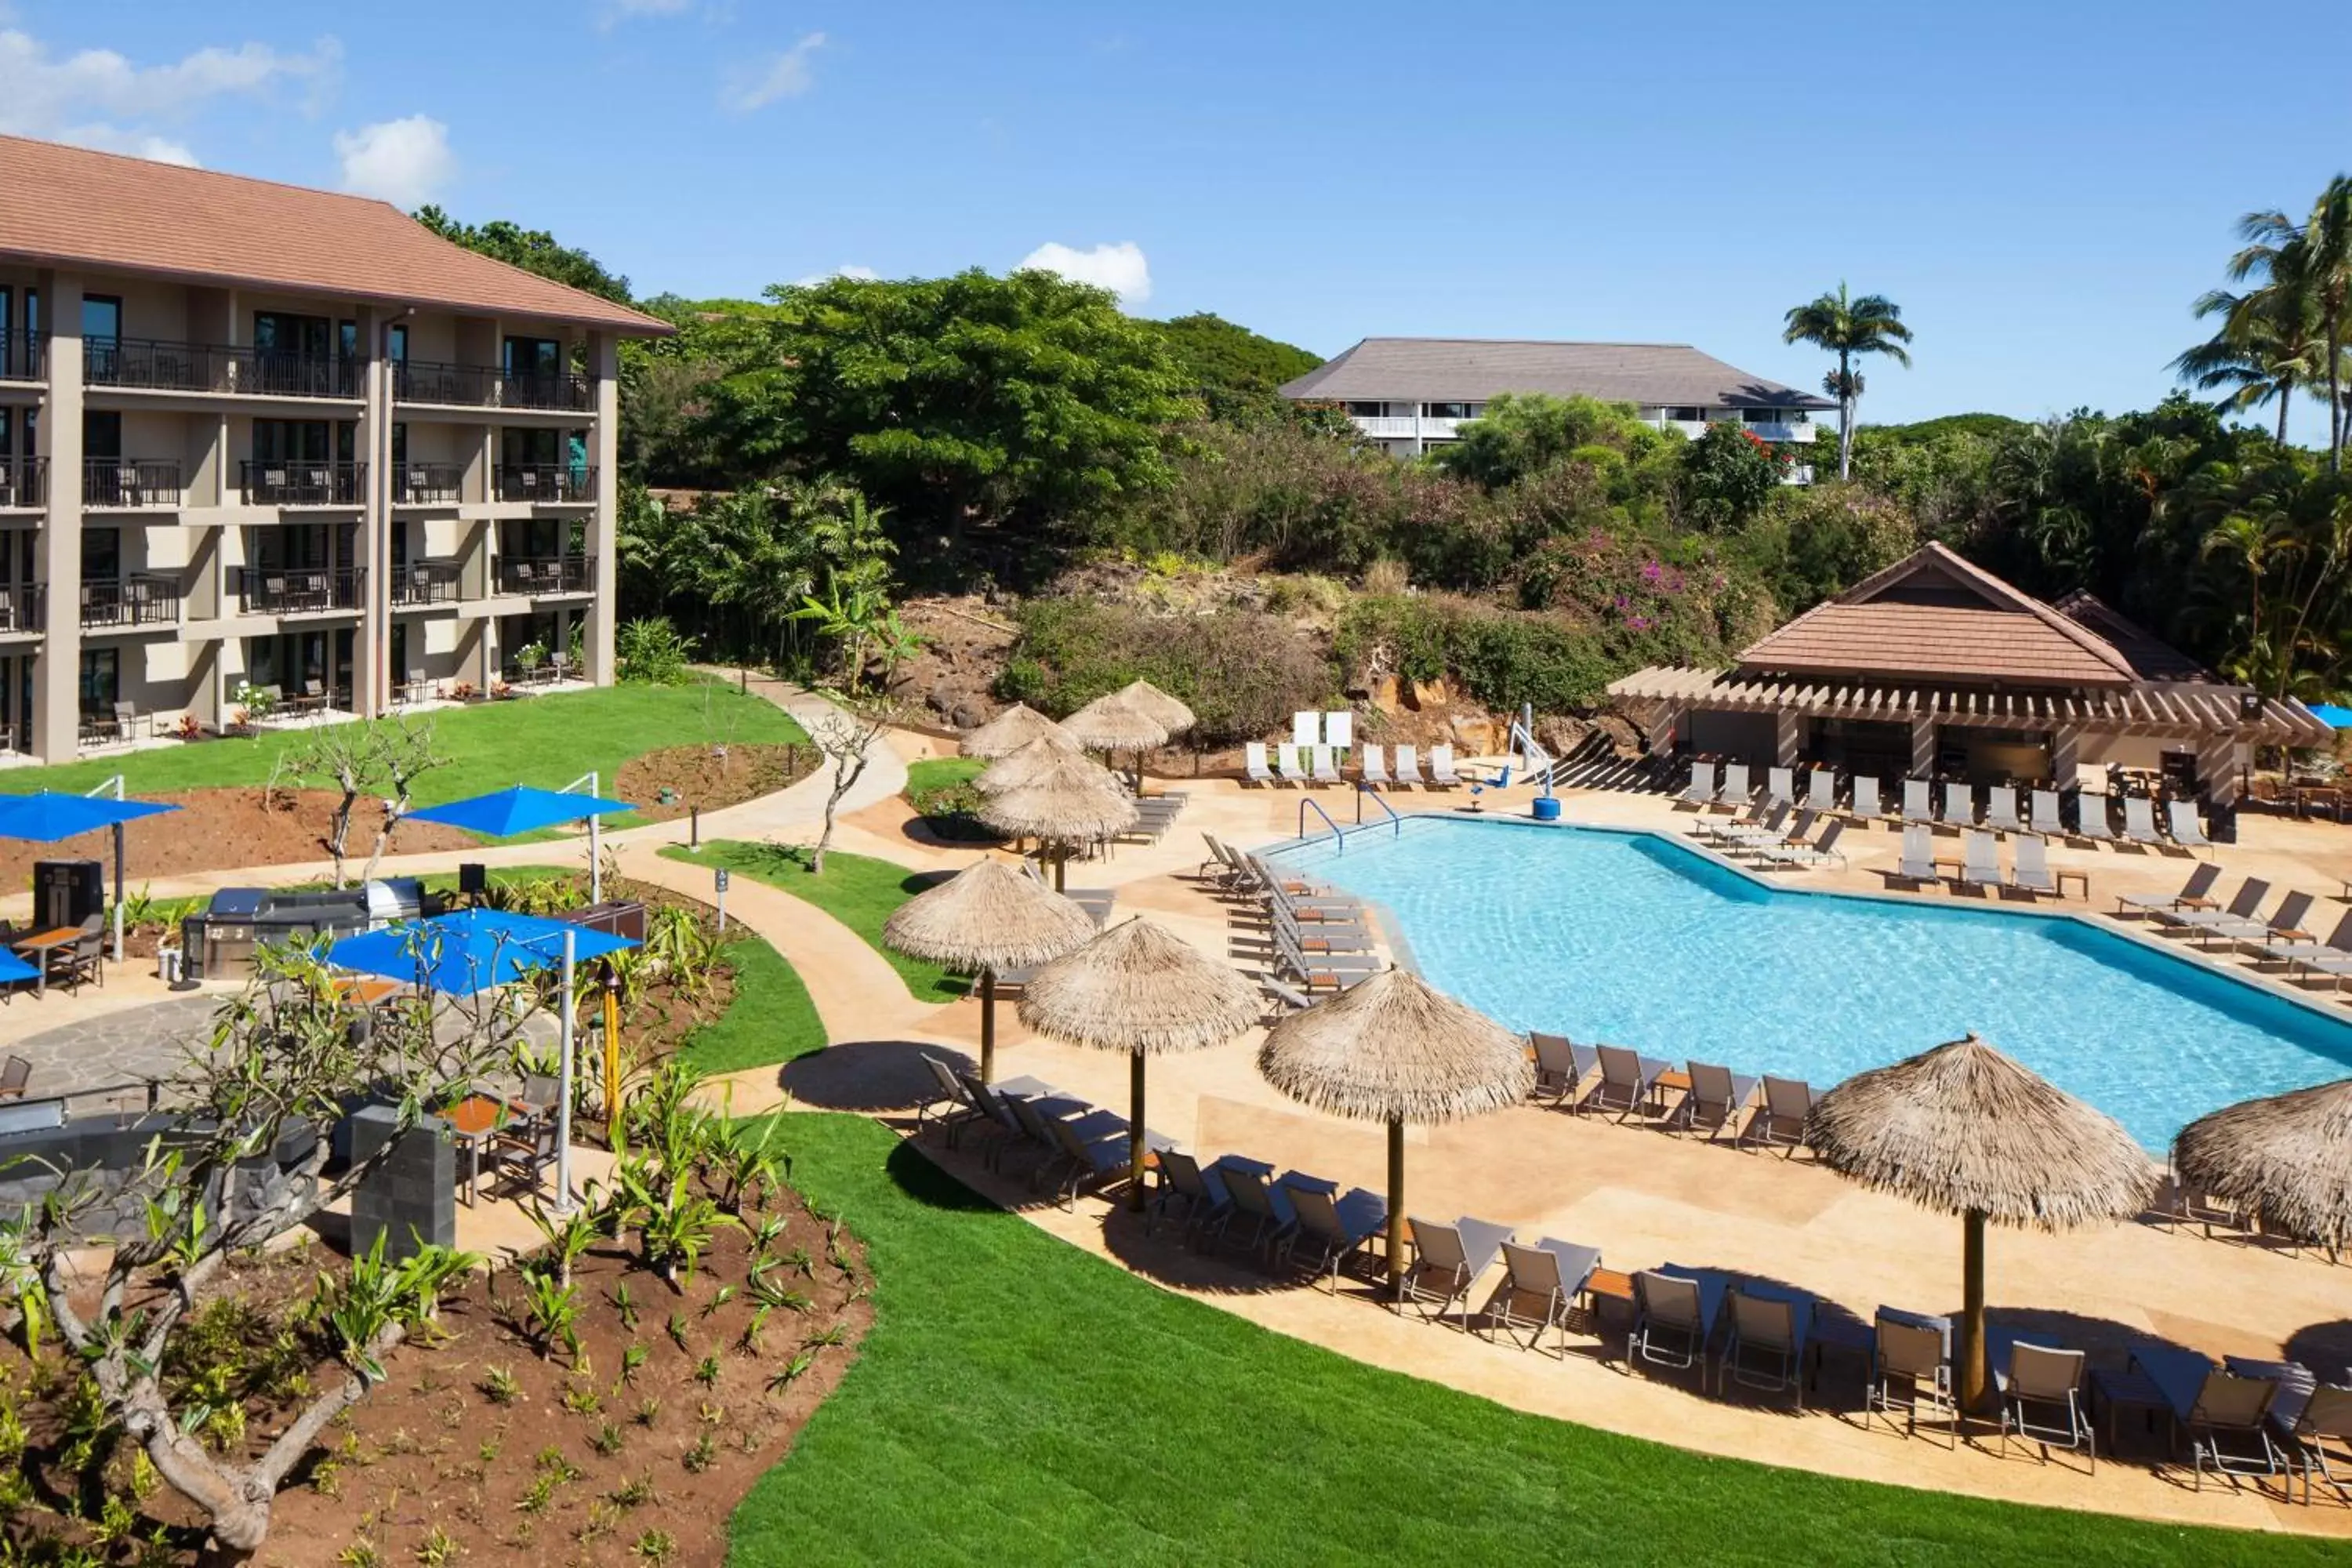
1154, 703
1115, 723
2288, 1157
1069, 803
1141, 989
1020, 766
1008, 732
1391, 1050
1964, 1129
987, 917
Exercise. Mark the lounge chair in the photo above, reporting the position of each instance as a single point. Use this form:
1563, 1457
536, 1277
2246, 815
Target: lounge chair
1919, 862
1408, 768
2139, 821
1262, 1217
2181, 815
1540, 1286
1917, 794
2041, 1398
2225, 1415
2285, 925
2338, 947
1286, 998
2032, 873
2049, 817
2091, 808
1820, 790
1629, 1080
2195, 893
1674, 1315
1096, 1151
2308, 1417
1446, 1261
1440, 768
1718, 1097
1736, 789
1865, 804
1288, 768
2240, 912
13, 1078
1222, 866
1960, 806
1332, 1226
1562, 1066
1766, 1348
1820, 851
1372, 767
1911, 1355
996, 1118
1979, 859
1776, 829
1191, 1193
1253, 767
1768, 825
1320, 939
2000, 810
1701, 789
1334, 972
1780, 1120
1780, 786
1324, 768
947, 1110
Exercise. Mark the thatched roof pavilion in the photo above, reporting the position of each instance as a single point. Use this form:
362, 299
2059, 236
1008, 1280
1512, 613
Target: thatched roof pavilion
1169, 712
987, 917
1008, 732
1392, 1049
1141, 989
2289, 1157
1967, 1130
1113, 724
1033, 758
1069, 803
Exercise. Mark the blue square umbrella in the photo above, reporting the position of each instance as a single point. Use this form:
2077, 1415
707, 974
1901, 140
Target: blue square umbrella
45, 816
504, 813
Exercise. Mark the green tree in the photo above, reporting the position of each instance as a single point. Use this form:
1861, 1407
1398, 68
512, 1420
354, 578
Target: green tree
1524, 433
533, 249
2266, 348
1232, 370
1728, 475
2312, 261
1849, 328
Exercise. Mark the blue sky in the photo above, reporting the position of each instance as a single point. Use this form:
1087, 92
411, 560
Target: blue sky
2043, 188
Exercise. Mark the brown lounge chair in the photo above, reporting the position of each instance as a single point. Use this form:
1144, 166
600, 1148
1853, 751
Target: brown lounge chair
13, 1078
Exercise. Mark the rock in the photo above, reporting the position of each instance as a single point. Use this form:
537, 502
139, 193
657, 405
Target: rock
1429, 694
1385, 694
1360, 682
1560, 735
967, 714
1473, 736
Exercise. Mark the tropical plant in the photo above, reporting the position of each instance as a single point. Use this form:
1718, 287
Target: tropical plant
1849, 328
652, 651
2266, 348
2309, 263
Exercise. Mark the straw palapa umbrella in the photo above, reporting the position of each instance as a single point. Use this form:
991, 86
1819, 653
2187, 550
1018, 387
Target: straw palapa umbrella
1141, 989
1019, 766
1007, 733
1154, 703
1391, 1050
2289, 1157
1965, 1129
987, 917
1114, 723
1069, 803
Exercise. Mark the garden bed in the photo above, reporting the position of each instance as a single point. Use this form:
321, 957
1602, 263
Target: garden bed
707, 777
216, 829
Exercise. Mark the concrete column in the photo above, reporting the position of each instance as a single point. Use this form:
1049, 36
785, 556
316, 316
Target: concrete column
2222, 762
371, 683
1660, 731
1789, 737
1923, 748
57, 667
604, 521
2065, 754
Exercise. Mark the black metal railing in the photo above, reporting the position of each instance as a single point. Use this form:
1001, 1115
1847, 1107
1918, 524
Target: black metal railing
546, 575
560, 483
156, 364
486, 386
128, 482
24, 357
426, 583
298, 590
415, 484
273, 482
20, 606
24, 481
140, 599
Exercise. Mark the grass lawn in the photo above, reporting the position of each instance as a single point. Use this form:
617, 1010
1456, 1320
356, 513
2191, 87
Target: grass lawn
941, 773
771, 1019
855, 889
1018, 1399
543, 740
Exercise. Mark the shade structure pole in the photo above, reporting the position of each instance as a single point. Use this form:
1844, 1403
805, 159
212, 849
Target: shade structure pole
564, 1094
987, 1026
1135, 1142
118, 892
1396, 1210
613, 1133
1060, 866
1973, 1310
596, 845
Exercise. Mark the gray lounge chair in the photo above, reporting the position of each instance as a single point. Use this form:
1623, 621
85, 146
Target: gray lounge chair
2032, 873
2224, 1415
1263, 1218
1780, 786
1780, 1120
1372, 766
1541, 1288
1918, 796
1718, 1098
2337, 946
2195, 893
1865, 804
2181, 815
1702, 787
1255, 769
1820, 790
2041, 1395
2286, 924
1979, 859
1332, 1226
2000, 810
1191, 1193
1736, 789
1447, 1259
1674, 1311
2242, 907
1765, 1350
2308, 1417
1911, 1360
949, 1109
2049, 817
1440, 768
1919, 863
1562, 1066
1408, 768
1799, 856
1629, 1080
2139, 821
1959, 807
2091, 808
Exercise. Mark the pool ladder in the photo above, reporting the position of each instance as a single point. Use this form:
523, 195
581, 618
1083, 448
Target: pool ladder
1339, 834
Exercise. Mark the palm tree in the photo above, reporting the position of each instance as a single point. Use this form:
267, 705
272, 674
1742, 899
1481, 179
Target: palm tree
2266, 348
2256, 536
1849, 328
2313, 257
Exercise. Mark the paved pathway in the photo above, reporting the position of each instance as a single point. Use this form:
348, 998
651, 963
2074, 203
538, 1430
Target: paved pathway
149, 1040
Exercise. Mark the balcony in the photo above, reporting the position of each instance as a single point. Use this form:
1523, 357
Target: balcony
22, 355
152, 364
423, 484
541, 575
486, 386
1405, 426
140, 599
20, 608
298, 590
548, 484
23, 482
426, 583
122, 483
269, 482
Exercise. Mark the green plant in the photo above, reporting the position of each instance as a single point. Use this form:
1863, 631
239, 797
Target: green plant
653, 651
677, 1332
793, 1371
636, 1492
625, 1305
538, 1494
703, 1454
552, 1308
607, 1439
582, 1399
498, 1384
705, 1371
648, 1411
568, 1236
656, 1546
437, 1549
719, 1299
632, 1356
750, 1165
360, 1554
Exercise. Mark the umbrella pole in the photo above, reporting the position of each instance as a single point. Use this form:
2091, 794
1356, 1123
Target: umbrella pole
987, 1026
1396, 1209
1973, 1312
1061, 867
118, 892
563, 1095
1135, 1149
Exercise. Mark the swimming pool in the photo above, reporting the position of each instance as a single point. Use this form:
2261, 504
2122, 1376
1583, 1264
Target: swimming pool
1630, 939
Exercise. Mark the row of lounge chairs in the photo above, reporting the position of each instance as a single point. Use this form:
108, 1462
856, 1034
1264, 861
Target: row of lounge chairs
1155, 814
2281, 937
1775, 842
1319, 938
1979, 862
1955, 807
1320, 765
1587, 1080
1070, 1145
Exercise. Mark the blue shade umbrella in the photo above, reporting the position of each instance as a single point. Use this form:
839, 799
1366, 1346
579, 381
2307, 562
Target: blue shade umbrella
12, 969
524, 809
2329, 714
46, 816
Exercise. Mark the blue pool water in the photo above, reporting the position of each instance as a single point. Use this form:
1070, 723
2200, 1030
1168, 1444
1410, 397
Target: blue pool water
1633, 940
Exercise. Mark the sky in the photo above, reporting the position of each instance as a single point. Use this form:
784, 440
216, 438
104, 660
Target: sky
2044, 189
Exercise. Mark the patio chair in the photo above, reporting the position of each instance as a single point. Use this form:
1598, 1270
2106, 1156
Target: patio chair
2041, 1400
2139, 821
996, 1118
1960, 806
1253, 768
1917, 796
1735, 788
1629, 1080
2181, 815
2317, 955
1820, 790
519, 1154
2241, 911
1030, 1113
1765, 1349
1768, 824
2195, 893
2091, 809
126, 721
2225, 1415
1912, 1355
1865, 804
1440, 768
1780, 1120
1979, 859
2324, 1422
1372, 766
1322, 768
1333, 1227
1801, 855
1408, 768
2000, 810
1561, 1068
1919, 862
13, 1076
1718, 1096
2285, 924
948, 1107
2032, 873
1674, 1316
1780, 787
1539, 1289
1195, 1190
1701, 788
2049, 819
82, 959
1262, 1217
1287, 767
1447, 1259
1096, 1150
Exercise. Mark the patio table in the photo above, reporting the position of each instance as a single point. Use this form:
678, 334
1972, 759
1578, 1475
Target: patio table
474, 1121
37, 948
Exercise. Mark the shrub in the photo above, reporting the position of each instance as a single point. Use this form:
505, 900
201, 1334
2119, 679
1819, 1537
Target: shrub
653, 651
944, 795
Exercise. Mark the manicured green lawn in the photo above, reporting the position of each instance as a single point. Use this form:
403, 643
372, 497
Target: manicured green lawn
939, 772
1019, 1400
855, 889
543, 740
771, 1019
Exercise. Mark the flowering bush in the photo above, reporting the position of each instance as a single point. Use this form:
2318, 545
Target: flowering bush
189, 728
464, 691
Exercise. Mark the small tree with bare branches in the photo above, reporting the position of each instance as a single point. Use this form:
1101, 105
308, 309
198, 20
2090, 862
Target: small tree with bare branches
383, 757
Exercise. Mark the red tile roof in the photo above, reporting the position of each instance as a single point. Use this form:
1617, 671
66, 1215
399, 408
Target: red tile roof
69, 206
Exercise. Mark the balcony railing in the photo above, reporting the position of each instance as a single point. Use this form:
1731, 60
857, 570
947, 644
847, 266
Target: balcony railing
556, 482
112, 482
418, 484
486, 386
298, 590
426, 583
140, 599
542, 574
20, 606
24, 481
156, 365
271, 482
22, 355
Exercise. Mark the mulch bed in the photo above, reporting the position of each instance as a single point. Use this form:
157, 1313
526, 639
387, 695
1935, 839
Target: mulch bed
698, 776
218, 827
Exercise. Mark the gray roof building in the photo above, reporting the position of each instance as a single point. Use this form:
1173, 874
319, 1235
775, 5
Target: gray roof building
1470, 370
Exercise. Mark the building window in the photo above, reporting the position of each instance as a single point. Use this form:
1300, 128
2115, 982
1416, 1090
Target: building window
1685, 414
1764, 417
1366, 410
1446, 410
101, 554
277, 332
101, 680
102, 319
534, 356
1477, 411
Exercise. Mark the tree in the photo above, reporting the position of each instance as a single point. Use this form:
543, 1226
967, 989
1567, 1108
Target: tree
383, 757
1728, 475
533, 249
2310, 261
846, 736
1232, 370
2266, 348
1849, 328
1522, 433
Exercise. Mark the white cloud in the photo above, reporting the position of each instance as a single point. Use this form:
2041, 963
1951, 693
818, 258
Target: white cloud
761, 83
862, 274
403, 161
1120, 267
99, 98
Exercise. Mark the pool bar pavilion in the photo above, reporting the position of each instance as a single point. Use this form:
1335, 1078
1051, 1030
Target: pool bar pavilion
1937, 668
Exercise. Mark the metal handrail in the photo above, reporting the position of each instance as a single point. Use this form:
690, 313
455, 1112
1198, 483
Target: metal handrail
1308, 804
1364, 792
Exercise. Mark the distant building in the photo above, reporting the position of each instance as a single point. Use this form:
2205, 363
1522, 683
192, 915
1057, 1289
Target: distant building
1410, 395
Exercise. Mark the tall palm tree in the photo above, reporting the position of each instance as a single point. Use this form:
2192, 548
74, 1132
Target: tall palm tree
1849, 328
2316, 258
2266, 348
